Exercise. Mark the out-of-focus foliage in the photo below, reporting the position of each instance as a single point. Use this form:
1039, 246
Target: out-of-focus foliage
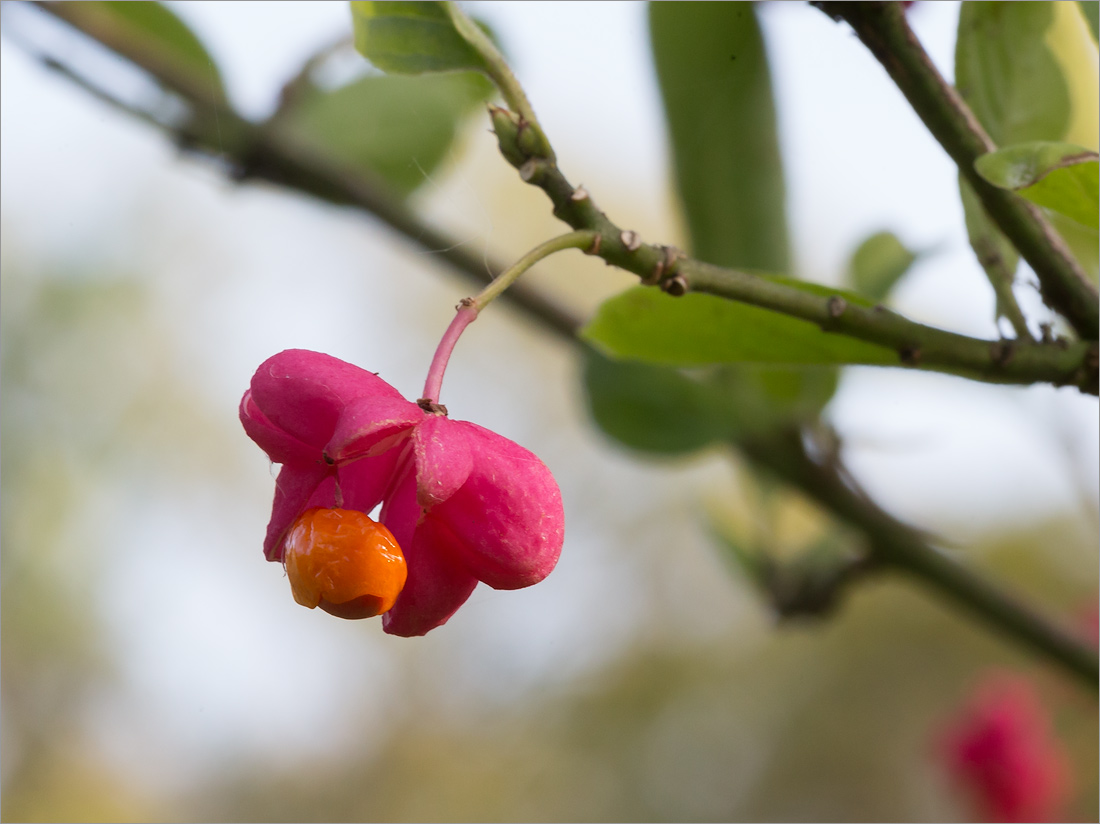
1091, 10
715, 84
1009, 75
90, 386
163, 37
716, 87
655, 408
399, 128
878, 263
411, 38
1029, 72
652, 408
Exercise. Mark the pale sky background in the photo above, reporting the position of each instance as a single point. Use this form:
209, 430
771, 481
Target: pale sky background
214, 650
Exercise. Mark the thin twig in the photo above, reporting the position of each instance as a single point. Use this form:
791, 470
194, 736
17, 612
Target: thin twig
894, 544
917, 346
884, 30
253, 151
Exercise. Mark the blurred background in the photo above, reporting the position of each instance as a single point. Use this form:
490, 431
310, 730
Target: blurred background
156, 668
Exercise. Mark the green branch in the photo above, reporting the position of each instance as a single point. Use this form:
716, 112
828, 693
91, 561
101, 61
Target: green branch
884, 30
893, 544
918, 346
260, 152
500, 73
997, 257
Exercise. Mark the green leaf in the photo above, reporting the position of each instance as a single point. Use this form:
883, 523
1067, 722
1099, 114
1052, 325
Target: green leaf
713, 73
650, 408
168, 43
757, 399
1081, 241
1007, 73
662, 410
697, 329
715, 84
1091, 10
714, 80
1059, 176
1010, 75
878, 263
411, 38
397, 127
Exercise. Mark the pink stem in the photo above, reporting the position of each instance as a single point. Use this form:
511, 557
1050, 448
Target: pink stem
465, 316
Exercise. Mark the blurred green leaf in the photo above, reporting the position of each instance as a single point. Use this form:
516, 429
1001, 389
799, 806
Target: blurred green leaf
715, 84
697, 329
751, 561
1059, 176
661, 410
650, 408
1007, 73
1091, 10
1013, 84
400, 128
164, 39
878, 263
411, 38
713, 74
770, 397
1081, 241
985, 238
995, 252
1028, 73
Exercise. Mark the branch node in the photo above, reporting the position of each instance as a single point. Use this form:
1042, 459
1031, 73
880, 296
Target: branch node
594, 249
677, 286
430, 406
666, 266
532, 170
837, 306
1002, 351
655, 276
910, 355
579, 194
631, 240
671, 259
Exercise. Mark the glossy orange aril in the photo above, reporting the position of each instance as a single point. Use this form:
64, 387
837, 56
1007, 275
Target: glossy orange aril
344, 562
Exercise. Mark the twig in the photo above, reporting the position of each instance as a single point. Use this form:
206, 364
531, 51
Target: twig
255, 152
917, 345
884, 30
997, 257
893, 544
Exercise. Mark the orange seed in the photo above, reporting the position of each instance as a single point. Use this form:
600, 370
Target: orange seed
344, 562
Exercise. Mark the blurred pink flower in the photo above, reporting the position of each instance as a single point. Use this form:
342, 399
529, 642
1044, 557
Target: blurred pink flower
1001, 751
464, 503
